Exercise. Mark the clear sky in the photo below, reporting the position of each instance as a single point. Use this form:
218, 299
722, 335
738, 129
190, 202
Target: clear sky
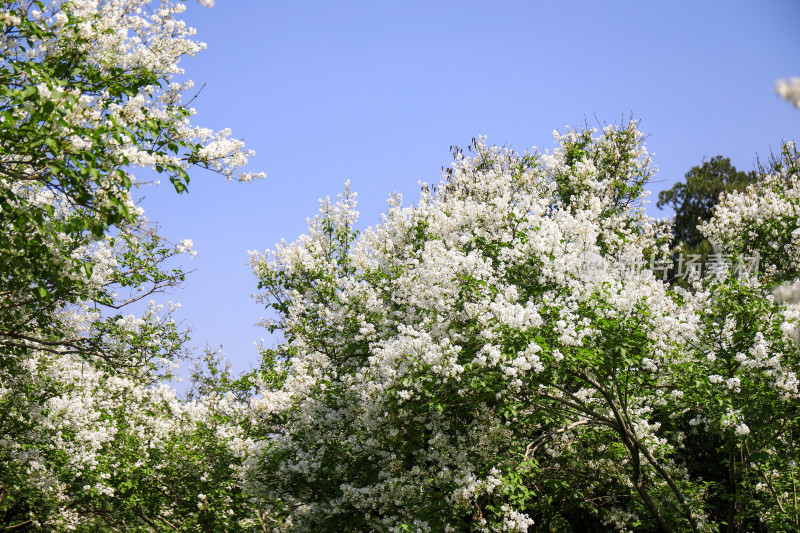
376, 92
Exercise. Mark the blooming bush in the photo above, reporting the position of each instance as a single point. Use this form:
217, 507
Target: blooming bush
89, 438
496, 358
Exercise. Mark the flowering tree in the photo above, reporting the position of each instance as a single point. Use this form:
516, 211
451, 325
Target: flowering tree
87, 94
496, 358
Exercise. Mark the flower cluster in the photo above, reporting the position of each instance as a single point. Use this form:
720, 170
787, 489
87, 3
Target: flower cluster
789, 90
458, 363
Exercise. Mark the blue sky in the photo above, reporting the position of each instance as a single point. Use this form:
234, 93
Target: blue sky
376, 92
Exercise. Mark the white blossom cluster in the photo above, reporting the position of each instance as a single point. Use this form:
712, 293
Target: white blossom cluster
95, 432
789, 90
130, 36
482, 280
441, 350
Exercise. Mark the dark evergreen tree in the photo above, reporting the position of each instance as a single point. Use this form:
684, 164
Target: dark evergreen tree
694, 199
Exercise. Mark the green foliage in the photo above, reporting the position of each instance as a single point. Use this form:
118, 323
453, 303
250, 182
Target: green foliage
693, 201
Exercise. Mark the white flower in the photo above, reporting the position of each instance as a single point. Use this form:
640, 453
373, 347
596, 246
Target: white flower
734, 383
44, 91
186, 246
60, 19
79, 143
789, 90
